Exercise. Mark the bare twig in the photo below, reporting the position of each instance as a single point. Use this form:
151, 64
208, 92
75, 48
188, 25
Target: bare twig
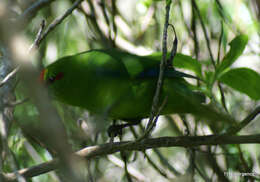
223, 99
40, 35
148, 143
166, 163
174, 48
158, 112
16, 103
6, 113
135, 173
194, 5
235, 129
114, 13
220, 42
244, 163
9, 76
149, 159
36, 42
226, 18
153, 164
161, 73
57, 21
216, 168
127, 172
204, 176
186, 25
103, 8
92, 17
194, 33
30, 12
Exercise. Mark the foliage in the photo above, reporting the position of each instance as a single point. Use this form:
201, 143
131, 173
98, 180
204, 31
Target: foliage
224, 55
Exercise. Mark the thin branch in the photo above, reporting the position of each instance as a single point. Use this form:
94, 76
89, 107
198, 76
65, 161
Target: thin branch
127, 173
135, 173
36, 42
186, 26
194, 5
103, 8
235, 129
194, 33
30, 12
92, 17
57, 21
245, 167
149, 159
157, 114
216, 168
160, 171
220, 42
147, 143
163, 65
174, 48
164, 161
114, 13
227, 18
9, 76
16, 103
204, 176
223, 99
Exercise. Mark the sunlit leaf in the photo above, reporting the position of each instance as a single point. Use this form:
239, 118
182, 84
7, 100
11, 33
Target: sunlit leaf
237, 46
244, 80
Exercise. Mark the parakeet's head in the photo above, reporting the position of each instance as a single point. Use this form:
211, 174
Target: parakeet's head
62, 79
53, 78
50, 78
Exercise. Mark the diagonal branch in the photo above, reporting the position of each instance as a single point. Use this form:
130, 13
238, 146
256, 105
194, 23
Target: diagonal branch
148, 143
9, 76
194, 5
235, 129
57, 21
30, 12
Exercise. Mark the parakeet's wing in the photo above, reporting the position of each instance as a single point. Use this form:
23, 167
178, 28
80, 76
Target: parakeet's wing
116, 83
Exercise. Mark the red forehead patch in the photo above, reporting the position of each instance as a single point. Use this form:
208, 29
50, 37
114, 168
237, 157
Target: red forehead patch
42, 75
50, 79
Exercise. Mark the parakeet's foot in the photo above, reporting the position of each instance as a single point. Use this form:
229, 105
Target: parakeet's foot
117, 130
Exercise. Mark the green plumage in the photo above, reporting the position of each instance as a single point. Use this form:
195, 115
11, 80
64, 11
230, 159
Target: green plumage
118, 84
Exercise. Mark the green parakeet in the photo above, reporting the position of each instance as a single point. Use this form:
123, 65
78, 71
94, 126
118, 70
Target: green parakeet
118, 84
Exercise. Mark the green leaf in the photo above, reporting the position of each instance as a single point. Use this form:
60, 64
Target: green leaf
237, 46
187, 62
244, 80
209, 78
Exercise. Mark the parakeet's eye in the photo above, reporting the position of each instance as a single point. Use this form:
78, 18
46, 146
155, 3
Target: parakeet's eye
55, 77
51, 79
